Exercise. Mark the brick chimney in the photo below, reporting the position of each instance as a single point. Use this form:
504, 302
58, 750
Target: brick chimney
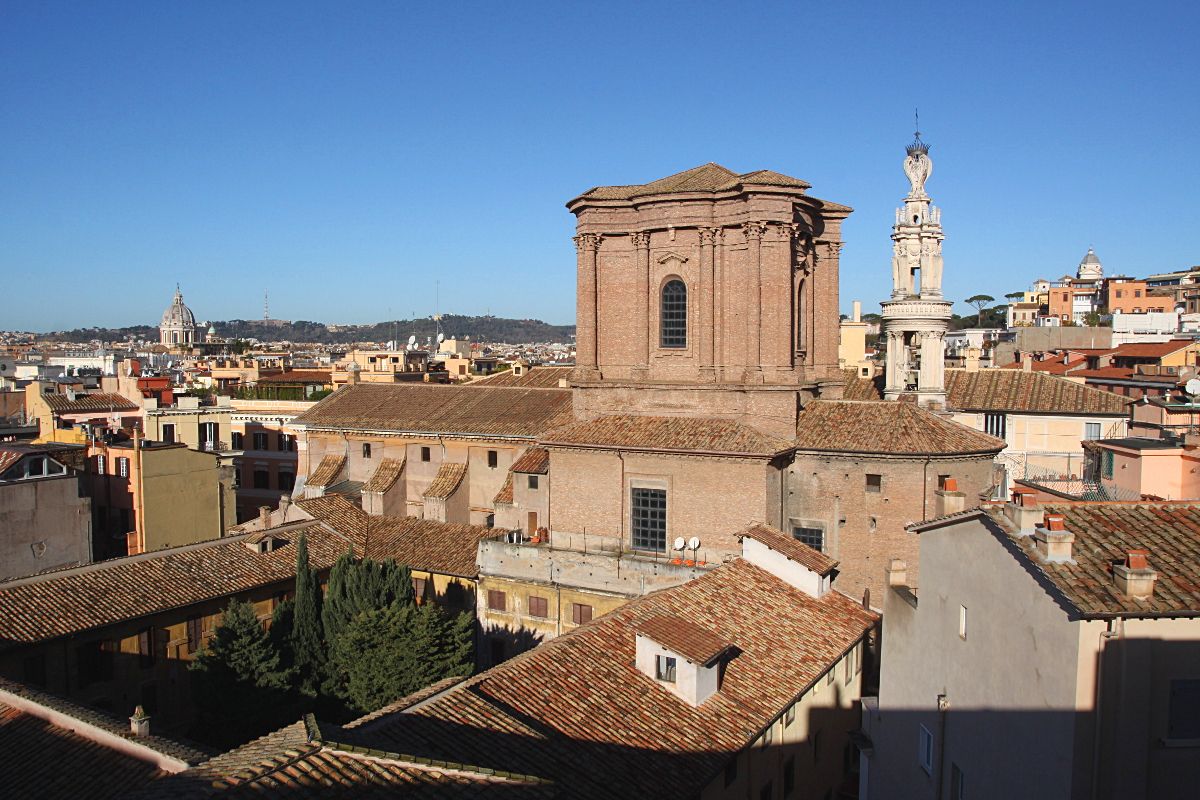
1052, 540
1023, 510
949, 500
897, 573
139, 723
1135, 578
971, 360
1027, 362
264, 516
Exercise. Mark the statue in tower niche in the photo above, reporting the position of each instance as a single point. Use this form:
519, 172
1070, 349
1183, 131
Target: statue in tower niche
916, 317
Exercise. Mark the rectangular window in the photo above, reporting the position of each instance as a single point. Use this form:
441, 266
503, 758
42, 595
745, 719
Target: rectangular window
1091, 430
1137, 292
123, 467
287, 481
493, 459
962, 622
497, 600
830, 676
533, 482
994, 425
424, 453
789, 776
1107, 464
287, 443
366, 449
956, 783
237, 440
195, 633
925, 749
100, 465
1118, 293
664, 668
262, 479
168, 433
538, 607
580, 613
260, 441
942, 481
813, 537
1183, 715
419, 587
874, 483
768, 735
789, 716
146, 648
649, 519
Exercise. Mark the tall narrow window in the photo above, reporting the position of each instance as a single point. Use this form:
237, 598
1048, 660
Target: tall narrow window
674, 314
1091, 430
168, 433
649, 509
366, 449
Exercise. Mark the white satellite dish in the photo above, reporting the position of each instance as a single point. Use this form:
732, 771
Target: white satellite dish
679, 543
412, 339
441, 338
694, 543
1192, 387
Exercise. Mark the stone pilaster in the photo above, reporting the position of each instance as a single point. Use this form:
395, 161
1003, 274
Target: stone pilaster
753, 232
586, 335
641, 247
707, 300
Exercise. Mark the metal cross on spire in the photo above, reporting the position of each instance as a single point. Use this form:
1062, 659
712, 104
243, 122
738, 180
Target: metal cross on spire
917, 122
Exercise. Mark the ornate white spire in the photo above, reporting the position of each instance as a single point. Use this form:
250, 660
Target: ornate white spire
917, 234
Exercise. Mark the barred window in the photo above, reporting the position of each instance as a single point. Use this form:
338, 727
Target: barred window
674, 314
813, 537
649, 508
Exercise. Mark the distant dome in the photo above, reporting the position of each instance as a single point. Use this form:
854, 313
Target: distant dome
178, 315
1090, 258
1090, 267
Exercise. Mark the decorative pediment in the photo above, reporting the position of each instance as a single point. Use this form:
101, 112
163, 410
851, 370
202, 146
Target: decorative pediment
671, 255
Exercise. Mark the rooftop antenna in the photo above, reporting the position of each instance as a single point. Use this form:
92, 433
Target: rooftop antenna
266, 304
917, 122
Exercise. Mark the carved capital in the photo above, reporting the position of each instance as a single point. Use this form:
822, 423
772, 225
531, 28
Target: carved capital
640, 239
709, 235
787, 230
754, 230
835, 248
586, 241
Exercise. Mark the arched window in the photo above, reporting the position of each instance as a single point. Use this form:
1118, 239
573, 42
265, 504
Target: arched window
674, 314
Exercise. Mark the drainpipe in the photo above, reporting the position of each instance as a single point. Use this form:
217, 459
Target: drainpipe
925, 489
943, 705
621, 521
140, 504
1112, 632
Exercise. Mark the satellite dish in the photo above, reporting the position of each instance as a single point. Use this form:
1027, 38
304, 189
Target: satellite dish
412, 339
694, 543
1192, 387
679, 543
441, 338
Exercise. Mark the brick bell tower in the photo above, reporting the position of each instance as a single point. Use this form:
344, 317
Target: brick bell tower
707, 293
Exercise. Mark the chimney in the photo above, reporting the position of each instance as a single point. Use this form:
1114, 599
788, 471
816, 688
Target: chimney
285, 502
971, 360
1023, 510
1052, 540
949, 499
1135, 578
897, 573
264, 516
1027, 362
856, 315
139, 723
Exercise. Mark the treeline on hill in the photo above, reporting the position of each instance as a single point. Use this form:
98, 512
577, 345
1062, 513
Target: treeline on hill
488, 329
359, 646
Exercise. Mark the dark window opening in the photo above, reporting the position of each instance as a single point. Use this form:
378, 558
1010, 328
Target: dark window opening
874, 483
366, 449
168, 433
262, 479
664, 668
533, 481
497, 600
493, 459
649, 519
424, 453
674, 315
813, 537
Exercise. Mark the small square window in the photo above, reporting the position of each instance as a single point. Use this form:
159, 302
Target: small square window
580, 613
533, 481
789, 716
874, 483
538, 607
424, 453
664, 668
493, 459
366, 450
497, 600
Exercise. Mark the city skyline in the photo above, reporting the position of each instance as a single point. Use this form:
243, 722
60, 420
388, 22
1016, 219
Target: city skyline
232, 149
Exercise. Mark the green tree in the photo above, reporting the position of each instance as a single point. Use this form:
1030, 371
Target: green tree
979, 301
239, 684
308, 647
1016, 297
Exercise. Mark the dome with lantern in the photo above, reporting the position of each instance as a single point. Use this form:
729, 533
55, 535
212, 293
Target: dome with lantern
178, 326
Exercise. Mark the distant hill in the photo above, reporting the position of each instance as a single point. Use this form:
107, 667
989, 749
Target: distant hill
488, 329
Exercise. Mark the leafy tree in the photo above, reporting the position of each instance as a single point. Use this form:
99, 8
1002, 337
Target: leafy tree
239, 683
1015, 296
979, 301
308, 648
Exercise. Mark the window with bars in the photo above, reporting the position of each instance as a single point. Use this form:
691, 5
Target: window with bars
813, 537
649, 522
123, 467
994, 425
1107, 464
673, 323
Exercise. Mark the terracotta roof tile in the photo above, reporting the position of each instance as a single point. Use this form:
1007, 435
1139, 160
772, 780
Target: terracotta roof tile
322, 376
427, 544
505, 495
385, 476
791, 547
860, 388
535, 461
423, 408
692, 641
1104, 532
681, 434
327, 472
339, 513
447, 480
886, 428
704, 178
1028, 392
104, 401
1151, 349
533, 378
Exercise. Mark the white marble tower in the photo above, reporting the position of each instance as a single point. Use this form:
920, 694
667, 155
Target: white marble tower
916, 317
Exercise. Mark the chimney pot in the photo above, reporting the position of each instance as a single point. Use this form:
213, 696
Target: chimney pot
1136, 559
1052, 540
951, 485
264, 515
139, 723
1055, 522
897, 573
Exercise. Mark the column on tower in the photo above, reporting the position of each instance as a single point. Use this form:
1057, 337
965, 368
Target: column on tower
707, 297
586, 245
641, 246
753, 232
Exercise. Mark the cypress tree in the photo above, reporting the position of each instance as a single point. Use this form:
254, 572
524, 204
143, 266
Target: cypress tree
339, 607
308, 650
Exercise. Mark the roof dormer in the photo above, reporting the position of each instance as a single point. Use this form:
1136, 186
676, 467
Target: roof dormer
684, 658
789, 559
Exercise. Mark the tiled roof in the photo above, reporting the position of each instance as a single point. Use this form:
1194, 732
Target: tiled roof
83, 598
385, 476
327, 472
1104, 532
1125, 373
708, 177
886, 428
791, 547
1055, 365
448, 477
345, 517
105, 401
505, 495
860, 388
1151, 349
535, 460
42, 759
426, 408
300, 762
1027, 392
533, 378
693, 642
427, 544
9, 457
682, 434
576, 710
322, 376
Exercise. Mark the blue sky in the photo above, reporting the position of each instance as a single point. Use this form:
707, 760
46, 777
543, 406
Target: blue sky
350, 155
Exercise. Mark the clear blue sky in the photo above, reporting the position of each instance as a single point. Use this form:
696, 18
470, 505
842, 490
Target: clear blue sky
347, 155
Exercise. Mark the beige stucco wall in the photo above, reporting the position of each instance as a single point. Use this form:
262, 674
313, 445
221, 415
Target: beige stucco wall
184, 500
45, 523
